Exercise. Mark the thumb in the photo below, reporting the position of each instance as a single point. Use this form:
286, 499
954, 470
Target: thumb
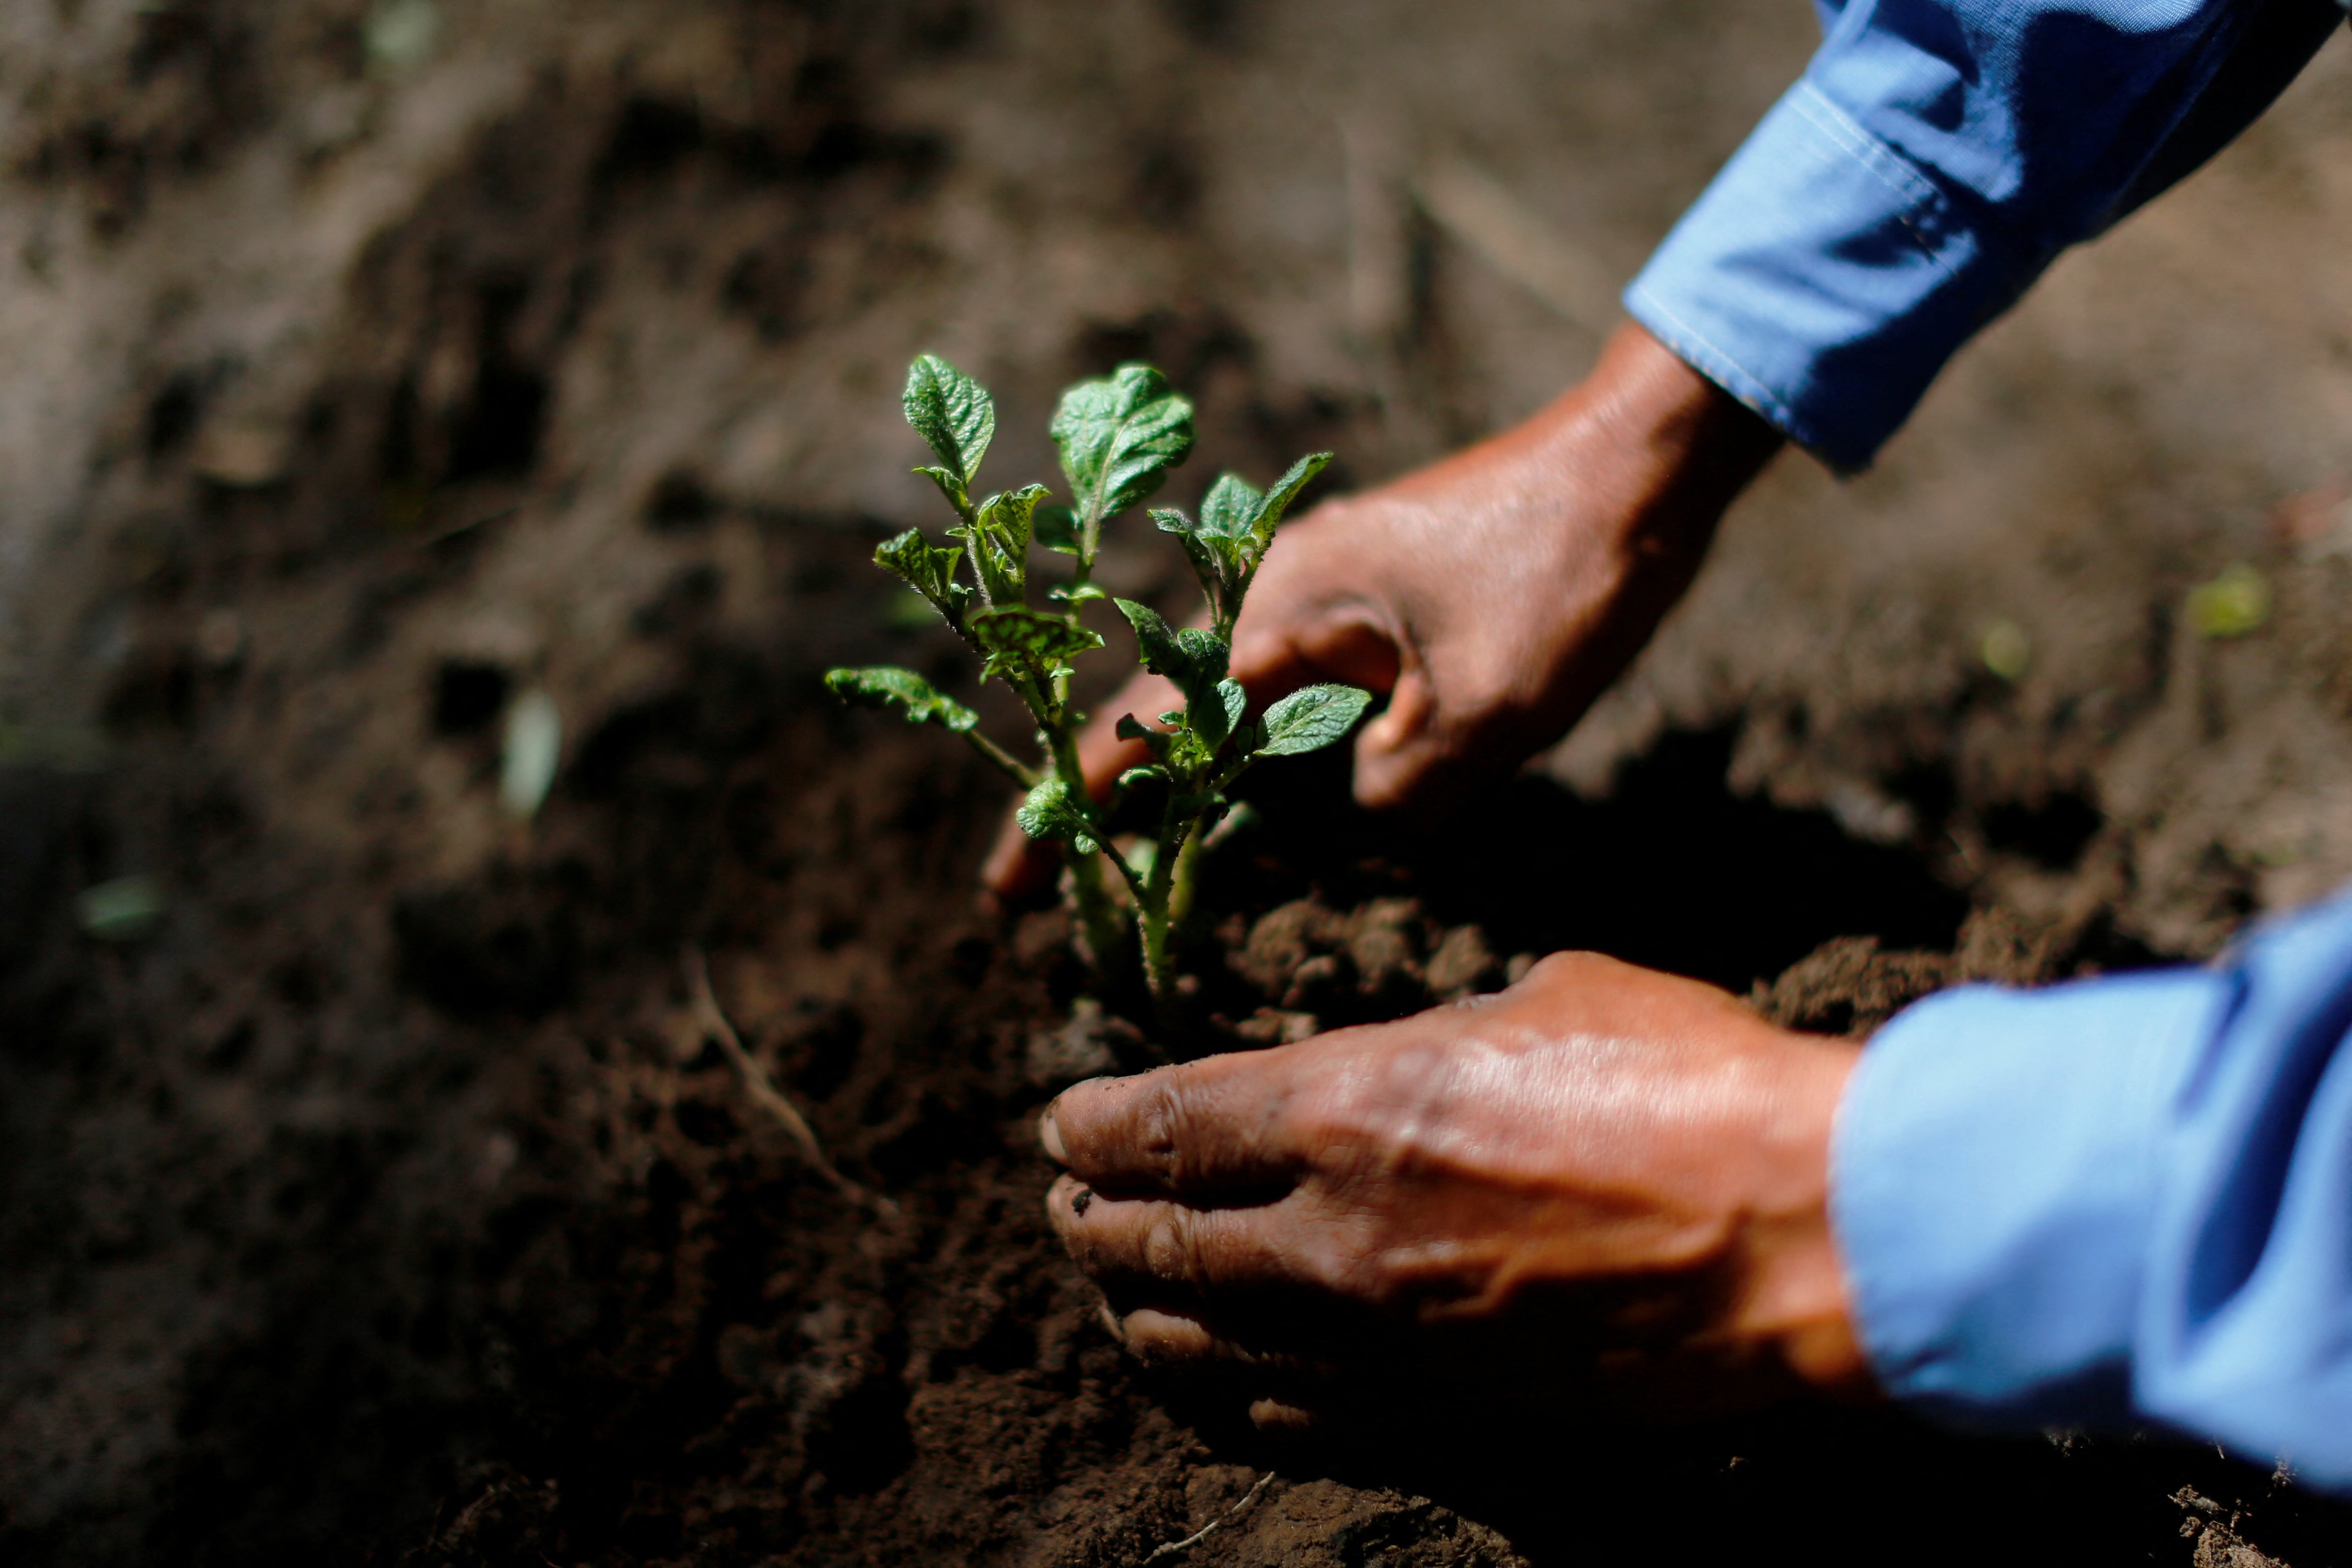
1402, 756
1019, 867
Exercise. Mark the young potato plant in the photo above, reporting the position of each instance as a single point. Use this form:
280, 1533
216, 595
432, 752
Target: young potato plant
1117, 438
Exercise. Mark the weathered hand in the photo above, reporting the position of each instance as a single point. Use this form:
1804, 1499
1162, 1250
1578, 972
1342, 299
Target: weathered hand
1491, 596
1604, 1187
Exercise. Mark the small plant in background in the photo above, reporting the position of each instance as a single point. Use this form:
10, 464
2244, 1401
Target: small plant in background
1117, 438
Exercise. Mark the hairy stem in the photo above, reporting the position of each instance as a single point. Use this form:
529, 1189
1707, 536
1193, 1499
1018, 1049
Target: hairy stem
1013, 768
1154, 905
1180, 892
1095, 916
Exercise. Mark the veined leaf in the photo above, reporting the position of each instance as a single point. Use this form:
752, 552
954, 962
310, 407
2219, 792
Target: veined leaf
1050, 813
949, 486
884, 686
1216, 559
1012, 514
1311, 719
1275, 501
953, 413
998, 540
1118, 437
1018, 638
1231, 507
1219, 715
1194, 659
929, 568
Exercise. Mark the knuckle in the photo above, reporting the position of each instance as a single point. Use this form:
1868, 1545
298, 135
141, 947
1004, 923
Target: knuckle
1169, 1251
1562, 968
1159, 1128
1338, 1262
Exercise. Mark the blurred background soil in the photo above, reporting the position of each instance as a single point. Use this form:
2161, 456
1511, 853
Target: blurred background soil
379, 1196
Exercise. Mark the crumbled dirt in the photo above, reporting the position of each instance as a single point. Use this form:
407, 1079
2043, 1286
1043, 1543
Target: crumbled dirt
387, 1202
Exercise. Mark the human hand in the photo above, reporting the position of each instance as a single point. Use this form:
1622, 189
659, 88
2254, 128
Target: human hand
1604, 1188
1491, 596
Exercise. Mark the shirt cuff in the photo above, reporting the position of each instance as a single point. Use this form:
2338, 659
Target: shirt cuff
1822, 279
1995, 1174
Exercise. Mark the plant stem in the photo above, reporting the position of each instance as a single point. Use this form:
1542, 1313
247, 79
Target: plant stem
1153, 912
1096, 915
1187, 883
1027, 777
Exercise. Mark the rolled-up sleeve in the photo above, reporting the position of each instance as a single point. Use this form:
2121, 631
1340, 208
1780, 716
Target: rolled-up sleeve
1933, 159
2123, 1202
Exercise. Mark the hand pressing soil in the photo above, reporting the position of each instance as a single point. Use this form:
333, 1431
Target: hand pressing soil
1604, 1188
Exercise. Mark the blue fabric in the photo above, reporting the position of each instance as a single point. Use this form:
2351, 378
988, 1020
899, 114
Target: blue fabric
2123, 1202
1933, 159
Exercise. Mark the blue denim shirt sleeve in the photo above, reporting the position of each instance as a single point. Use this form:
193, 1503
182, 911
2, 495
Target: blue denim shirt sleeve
1933, 159
2120, 1203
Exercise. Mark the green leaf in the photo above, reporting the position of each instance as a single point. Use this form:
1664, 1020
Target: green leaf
1076, 594
1220, 715
999, 541
1021, 640
882, 686
1012, 514
953, 413
1050, 813
1231, 507
1311, 719
1206, 651
1209, 554
1118, 437
1275, 501
1142, 774
1161, 653
1158, 741
1194, 659
949, 486
1237, 524
929, 568
1057, 527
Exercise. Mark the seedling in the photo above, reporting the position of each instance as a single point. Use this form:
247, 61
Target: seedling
1118, 438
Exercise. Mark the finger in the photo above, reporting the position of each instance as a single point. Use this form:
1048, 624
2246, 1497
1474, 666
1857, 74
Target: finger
1306, 621
1281, 1416
1168, 1336
1212, 1125
1401, 754
1157, 1251
1020, 867
1182, 1342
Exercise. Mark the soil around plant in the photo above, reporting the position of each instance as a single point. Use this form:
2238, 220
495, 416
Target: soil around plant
381, 1195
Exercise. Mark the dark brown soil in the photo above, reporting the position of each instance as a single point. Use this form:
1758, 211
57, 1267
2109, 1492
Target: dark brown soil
388, 1201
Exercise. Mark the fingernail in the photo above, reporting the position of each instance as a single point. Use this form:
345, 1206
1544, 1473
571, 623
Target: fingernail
1081, 1200
1278, 1416
1050, 1135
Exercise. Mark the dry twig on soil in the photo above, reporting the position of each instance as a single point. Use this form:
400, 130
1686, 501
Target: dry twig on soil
1170, 1549
762, 1089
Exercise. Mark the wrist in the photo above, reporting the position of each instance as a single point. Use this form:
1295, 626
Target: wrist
1792, 1303
1682, 448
